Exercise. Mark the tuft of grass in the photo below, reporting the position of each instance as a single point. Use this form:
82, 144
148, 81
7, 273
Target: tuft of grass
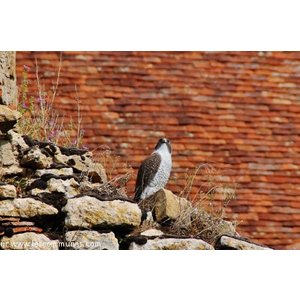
206, 217
40, 120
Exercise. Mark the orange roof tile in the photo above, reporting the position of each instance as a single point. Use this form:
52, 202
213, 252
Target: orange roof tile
236, 110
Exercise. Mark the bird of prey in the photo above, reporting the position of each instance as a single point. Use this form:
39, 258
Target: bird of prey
154, 171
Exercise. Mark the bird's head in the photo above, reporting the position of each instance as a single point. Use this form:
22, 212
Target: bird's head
164, 143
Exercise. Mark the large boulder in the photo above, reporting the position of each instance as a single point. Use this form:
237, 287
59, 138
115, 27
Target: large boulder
25, 208
87, 212
91, 240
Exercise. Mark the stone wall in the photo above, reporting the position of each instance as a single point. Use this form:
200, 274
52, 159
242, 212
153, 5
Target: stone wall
54, 197
8, 86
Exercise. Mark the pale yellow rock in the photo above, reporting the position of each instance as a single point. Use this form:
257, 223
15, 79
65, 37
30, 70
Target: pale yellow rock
80, 163
10, 170
96, 173
8, 115
8, 82
8, 191
17, 140
57, 172
91, 240
28, 241
168, 206
69, 187
172, 244
239, 245
86, 212
152, 232
7, 157
25, 208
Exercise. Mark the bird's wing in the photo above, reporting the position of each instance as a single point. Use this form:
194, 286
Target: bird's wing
146, 173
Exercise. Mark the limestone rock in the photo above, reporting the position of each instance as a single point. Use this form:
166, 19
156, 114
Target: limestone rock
28, 241
7, 114
152, 232
226, 242
172, 244
69, 187
91, 240
7, 157
17, 140
168, 206
8, 118
86, 212
57, 172
8, 82
11, 170
25, 208
7, 191
80, 163
36, 159
97, 173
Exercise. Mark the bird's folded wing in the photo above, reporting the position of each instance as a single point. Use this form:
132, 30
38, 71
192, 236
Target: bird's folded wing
146, 174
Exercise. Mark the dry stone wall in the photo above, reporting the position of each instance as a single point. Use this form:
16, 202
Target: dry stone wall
53, 197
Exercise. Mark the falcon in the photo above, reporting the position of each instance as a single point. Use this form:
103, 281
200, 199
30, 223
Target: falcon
154, 171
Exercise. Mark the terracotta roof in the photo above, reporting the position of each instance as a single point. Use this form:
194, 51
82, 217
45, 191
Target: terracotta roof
238, 111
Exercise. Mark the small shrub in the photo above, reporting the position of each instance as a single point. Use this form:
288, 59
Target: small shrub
40, 120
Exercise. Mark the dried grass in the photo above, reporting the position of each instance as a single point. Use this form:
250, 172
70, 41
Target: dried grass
206, 217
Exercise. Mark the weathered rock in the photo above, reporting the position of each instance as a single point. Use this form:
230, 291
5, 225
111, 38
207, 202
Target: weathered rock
226, 242
11, 170
97, 173
168, 206
17, 140
152, 232
8, 82
80, 163
91, 240
69, 187
57, 172
172, 244
86, 212
28, 241
7, 157
35, 159
8, 191
25, 208
8, 118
